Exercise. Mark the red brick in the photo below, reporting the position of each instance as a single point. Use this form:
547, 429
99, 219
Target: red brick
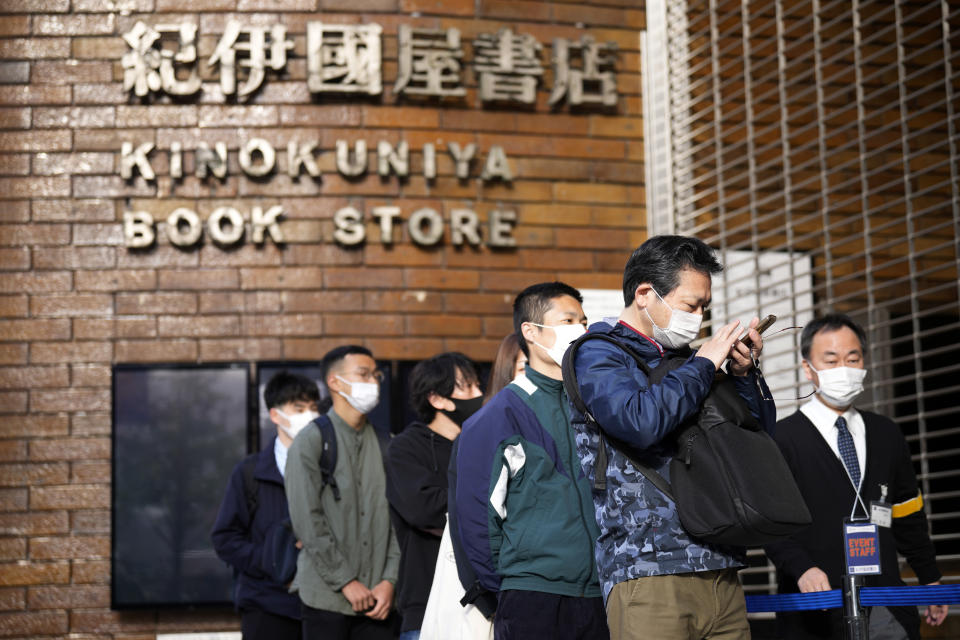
196, 5
282, 278
17, 259
74, 25
75, 258
28, 573
81, 351
14, 25
14, 499
13, 548
98, 234
30, 234
195, 327
248, 255
35, 282
34, 329
401, 255
199, 279
74, 496
476, 348
289, 324
72, 305
91, 572
70, 597
15, 211
442, 7
33, 622
110, 139
155, 303
57, 71
594, 280
513, 281
35, 94
478, 303
90, 521
14, 164
326, 115
321, 254
36, 141
12, 450
239, 301
33, 426
13, 599
241, 349
350, 324
15, 117
111, 187
38, 6
497, 327
345, 278
69, 548
156, 351
73, 210
33, 377
404, 348
101, 93
62, 449
52, 164
70, 400
403, 301
443, 325
483, 259
133, 116
237, 116
32, 524
163, 256
90, 473
442, 279
13, 353
90, 424
89, 375
98, 48
34, 187
21, 475
119, 280
13, 401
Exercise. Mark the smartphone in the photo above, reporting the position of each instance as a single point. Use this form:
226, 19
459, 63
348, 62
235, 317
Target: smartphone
762, 326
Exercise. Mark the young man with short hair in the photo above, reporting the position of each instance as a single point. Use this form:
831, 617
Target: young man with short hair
837, 452
444, 391
348, 564
523, 510
267, 610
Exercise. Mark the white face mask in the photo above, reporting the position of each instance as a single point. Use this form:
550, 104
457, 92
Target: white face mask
840, 385
297, 421
566, 334
682, 329
363, 396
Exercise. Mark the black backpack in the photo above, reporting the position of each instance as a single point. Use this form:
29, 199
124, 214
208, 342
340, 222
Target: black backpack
728, 478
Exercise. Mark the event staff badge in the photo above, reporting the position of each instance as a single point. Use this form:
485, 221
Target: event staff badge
862, 543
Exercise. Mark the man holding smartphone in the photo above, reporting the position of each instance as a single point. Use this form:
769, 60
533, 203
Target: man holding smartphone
652, 573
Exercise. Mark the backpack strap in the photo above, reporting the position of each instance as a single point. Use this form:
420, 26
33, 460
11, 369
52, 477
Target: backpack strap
250, 485
601, 461
328, 454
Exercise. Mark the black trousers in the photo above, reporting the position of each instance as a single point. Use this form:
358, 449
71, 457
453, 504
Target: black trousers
261, 625
525, 615
327, 625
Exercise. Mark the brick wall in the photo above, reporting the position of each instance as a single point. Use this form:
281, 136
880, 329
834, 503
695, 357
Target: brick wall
74, 299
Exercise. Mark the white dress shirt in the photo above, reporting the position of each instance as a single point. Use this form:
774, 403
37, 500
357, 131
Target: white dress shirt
280, 454
825, 419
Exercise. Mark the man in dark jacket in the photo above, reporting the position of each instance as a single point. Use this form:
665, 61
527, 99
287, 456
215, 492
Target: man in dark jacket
654, 574
254, 509
847, 461
444, 391
523, 510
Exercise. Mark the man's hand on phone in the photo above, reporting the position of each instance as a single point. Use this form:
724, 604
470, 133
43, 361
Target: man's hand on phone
740, 358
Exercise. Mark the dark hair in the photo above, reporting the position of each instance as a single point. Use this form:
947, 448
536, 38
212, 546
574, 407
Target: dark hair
438, 375
286, 387
660, 260
534, 302
503, 366
828, 323
337, 354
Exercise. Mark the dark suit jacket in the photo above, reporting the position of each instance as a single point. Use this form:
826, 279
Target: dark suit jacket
830, 496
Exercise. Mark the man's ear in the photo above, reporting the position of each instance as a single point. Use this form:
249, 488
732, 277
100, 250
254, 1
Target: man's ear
640, 294
808, 372
440, 403
528, 331
274, 416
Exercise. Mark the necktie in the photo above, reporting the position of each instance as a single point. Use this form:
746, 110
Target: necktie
848, 452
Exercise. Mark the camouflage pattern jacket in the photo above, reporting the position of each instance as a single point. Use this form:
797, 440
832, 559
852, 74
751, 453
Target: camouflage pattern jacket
640, 531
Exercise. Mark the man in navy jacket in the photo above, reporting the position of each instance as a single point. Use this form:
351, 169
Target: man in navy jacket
267, 610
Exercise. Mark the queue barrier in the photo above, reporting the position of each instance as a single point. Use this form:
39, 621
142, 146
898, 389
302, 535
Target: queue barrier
869, 597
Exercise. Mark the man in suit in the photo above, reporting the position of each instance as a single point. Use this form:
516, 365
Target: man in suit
836, 453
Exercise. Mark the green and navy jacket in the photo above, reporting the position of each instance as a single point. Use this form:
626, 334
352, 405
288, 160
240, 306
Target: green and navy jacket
524, 511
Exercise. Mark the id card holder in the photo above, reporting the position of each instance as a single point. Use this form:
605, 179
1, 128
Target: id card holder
881, 514
861, 541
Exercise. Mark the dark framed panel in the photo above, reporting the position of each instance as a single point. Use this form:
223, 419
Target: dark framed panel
178, 431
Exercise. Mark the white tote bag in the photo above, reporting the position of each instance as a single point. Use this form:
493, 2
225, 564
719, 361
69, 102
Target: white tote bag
445, 618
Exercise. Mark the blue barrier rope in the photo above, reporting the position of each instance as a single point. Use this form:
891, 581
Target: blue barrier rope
869, 597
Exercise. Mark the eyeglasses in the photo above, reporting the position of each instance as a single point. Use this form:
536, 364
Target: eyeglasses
366, 375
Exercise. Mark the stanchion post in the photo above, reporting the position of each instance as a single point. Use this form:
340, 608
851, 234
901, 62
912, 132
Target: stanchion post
855, 626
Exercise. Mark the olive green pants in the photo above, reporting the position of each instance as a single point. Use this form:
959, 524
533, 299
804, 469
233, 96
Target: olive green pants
686, 606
